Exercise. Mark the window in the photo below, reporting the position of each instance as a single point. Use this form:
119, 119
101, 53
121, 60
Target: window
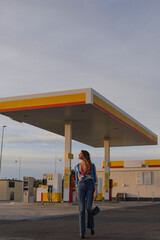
25, 183
144, 178
139, 177
147, 178
11, 184
44, 181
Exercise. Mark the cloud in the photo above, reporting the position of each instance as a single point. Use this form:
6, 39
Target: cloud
31, 139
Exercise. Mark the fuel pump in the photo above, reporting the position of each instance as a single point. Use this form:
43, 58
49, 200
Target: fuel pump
50, 187
72, 184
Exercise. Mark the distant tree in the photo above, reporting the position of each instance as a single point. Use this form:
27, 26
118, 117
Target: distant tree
37, 182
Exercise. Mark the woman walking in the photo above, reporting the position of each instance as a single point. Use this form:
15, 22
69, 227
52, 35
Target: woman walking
86, 188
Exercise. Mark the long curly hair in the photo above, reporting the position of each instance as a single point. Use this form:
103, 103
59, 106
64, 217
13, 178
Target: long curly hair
87, 161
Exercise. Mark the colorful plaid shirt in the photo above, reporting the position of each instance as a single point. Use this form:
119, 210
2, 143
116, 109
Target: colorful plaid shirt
78, 174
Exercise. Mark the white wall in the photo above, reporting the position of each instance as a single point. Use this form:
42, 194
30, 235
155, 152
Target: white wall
126, 179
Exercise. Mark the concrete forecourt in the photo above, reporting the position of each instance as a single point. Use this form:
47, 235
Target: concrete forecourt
119, 220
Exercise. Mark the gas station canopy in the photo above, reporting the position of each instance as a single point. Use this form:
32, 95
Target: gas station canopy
93, 117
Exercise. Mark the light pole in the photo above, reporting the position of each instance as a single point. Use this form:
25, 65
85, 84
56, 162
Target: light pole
56, 161
19, 161
2, 146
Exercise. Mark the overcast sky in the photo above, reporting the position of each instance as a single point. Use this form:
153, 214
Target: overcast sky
112, 46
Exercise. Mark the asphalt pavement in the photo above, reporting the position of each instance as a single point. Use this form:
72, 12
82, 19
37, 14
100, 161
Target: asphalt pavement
116, 221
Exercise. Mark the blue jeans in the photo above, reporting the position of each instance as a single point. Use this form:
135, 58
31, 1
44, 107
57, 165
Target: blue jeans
85, 196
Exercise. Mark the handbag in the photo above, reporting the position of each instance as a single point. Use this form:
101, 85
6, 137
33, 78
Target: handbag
95, 210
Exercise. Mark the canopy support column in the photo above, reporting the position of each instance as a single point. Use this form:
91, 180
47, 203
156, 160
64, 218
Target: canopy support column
67, 161
106, 169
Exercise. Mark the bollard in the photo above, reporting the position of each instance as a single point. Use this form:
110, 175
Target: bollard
153, 197
138, 196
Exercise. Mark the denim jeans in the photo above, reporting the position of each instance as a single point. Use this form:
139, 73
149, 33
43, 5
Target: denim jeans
85, 196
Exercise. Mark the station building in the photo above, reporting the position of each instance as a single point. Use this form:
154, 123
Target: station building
134, 180
11, 190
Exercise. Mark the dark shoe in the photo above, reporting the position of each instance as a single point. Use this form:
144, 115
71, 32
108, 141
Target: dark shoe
92, 232
82, 236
